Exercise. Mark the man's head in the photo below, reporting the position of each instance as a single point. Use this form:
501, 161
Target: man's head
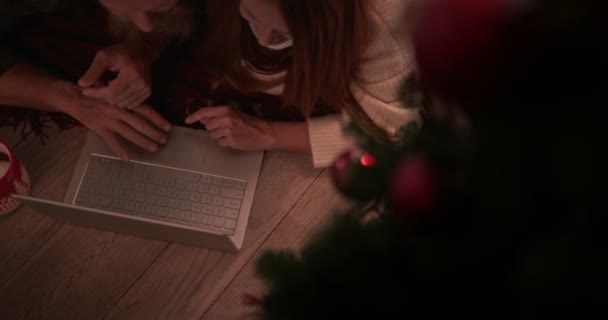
145, 14
176, 18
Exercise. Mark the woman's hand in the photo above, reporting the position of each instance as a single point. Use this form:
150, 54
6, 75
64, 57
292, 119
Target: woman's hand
234, 129
132, 85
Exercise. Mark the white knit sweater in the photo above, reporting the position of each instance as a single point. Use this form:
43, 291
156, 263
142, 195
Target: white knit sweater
388, 61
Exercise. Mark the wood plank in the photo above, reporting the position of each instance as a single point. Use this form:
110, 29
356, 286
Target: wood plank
79, 273
312, 211
185, 281
24, 231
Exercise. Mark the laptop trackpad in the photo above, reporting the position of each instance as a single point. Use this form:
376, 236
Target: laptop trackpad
182, 151
223, 161
194, 150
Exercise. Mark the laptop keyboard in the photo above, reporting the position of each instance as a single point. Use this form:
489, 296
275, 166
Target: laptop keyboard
197, 200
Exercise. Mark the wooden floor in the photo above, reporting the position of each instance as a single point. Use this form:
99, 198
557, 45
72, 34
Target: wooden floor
50, 270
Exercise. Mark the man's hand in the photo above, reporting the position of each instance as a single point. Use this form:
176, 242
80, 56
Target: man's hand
27, 86
142, 125
132, 85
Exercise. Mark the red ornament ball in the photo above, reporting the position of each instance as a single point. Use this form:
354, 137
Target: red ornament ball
413, 187
459, 43
340, 169
356, 175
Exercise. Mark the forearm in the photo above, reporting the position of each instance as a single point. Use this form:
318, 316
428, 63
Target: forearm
26, 86
290, 136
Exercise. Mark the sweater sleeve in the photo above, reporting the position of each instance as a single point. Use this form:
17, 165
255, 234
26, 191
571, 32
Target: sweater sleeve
327, 139
387, 63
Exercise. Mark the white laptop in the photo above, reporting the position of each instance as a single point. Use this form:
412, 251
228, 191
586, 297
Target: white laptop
191, 192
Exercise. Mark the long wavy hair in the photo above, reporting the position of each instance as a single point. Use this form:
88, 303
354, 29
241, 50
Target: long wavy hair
330, 37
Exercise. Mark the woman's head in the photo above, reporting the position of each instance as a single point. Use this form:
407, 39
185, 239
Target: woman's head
328, 36
267, 23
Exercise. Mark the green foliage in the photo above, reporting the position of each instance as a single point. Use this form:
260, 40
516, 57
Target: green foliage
519, 230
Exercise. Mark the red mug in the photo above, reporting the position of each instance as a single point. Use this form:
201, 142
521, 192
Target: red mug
13, 180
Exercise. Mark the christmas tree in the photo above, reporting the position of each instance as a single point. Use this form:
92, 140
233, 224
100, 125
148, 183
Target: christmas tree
494, 207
